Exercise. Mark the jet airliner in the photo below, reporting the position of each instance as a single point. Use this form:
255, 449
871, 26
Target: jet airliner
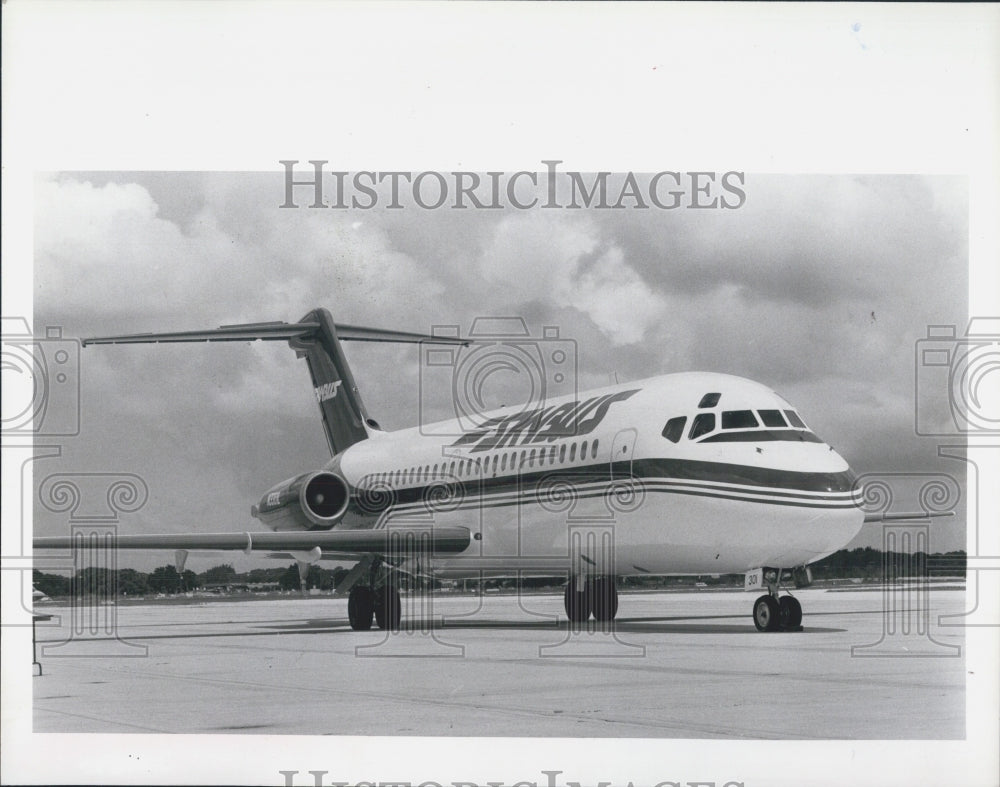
682, 474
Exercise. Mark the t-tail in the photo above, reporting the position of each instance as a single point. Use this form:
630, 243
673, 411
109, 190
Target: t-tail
317, 339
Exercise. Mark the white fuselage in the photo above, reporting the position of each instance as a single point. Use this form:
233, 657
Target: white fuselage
604, 467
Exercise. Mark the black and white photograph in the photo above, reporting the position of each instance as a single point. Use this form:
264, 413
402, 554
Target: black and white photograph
497, 394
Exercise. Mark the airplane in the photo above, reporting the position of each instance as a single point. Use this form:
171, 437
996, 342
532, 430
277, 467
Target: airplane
691, 473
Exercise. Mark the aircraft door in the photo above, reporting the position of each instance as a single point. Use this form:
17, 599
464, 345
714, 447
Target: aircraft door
622, 452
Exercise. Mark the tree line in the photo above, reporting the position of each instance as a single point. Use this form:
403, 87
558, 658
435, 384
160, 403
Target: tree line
863, 563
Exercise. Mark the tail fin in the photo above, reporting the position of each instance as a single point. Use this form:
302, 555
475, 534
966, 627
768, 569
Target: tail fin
317, 339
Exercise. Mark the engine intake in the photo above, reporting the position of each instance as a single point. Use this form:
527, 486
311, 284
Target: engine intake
308, 501
325, 496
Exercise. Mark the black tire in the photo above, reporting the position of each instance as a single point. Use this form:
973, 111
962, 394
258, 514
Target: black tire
388, 611
604, 599
360, 607
577, 604
766, 614
789, 612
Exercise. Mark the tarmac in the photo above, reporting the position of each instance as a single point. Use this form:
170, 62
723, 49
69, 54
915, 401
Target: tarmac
868, 664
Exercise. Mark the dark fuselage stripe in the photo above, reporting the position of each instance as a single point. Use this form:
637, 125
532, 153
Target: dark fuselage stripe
652, 484
530, 499
731, 479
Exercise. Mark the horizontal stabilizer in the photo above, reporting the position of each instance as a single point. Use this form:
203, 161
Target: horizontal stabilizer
357, 333
436, 539
274, 331
874, 518
317, 339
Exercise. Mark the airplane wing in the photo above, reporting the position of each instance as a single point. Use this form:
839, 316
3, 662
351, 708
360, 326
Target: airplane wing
436, 539
883, 517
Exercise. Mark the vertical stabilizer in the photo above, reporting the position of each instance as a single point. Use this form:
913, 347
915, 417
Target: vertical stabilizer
345, 419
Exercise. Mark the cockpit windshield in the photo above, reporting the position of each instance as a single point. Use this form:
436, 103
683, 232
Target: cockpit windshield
740, 426
773, 418
703, 424
794, 420
738, 419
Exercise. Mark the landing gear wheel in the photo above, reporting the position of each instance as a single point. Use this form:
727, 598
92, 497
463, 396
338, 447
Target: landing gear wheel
388, 611
766, 614
604, 598
360, 606
789, 612
578, 604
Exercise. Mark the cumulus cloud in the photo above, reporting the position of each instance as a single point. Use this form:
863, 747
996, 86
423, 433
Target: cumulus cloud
563, 261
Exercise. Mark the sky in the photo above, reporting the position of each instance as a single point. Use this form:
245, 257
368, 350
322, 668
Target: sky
819, 286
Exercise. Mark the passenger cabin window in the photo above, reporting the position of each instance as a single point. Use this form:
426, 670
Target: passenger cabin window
562, 452
572, 452
709, 400
772, 418
593, 450
703, 424
738, 419
675, 428
794, 420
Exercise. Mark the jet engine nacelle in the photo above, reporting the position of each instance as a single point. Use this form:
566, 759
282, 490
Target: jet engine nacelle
306, 502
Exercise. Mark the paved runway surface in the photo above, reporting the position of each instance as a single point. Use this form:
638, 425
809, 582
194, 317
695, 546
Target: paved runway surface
678, 665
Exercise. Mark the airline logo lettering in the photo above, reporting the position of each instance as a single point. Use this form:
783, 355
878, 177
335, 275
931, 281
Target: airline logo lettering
327, 391
543, 425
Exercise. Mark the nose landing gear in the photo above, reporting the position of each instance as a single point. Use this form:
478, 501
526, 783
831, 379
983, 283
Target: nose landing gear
774, 613
766, 614
789, 613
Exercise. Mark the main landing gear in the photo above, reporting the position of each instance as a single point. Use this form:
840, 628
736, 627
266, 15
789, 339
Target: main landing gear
382, 603
774, 613
597, 597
